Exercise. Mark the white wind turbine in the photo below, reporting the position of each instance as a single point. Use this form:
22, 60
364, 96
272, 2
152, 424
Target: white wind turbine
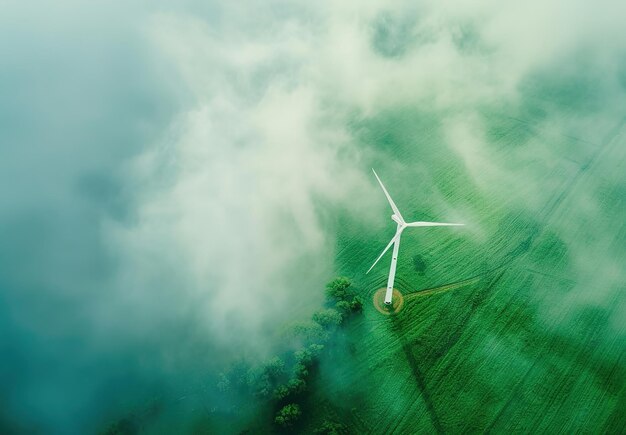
395, 241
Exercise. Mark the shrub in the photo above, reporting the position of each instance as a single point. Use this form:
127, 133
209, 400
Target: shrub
337, 288
303, 357
356, 304
310, 332
259, 384
300, 371
344, 307
296, 386
328, 318
316, 349
330, 427
281, 392
274, 367
288, 415
292, 388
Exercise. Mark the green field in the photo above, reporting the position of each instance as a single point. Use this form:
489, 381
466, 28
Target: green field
513, 323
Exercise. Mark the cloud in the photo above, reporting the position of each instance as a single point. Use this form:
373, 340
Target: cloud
174, 170
236, 192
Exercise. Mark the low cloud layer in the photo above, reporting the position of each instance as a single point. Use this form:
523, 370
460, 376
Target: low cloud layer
172, 171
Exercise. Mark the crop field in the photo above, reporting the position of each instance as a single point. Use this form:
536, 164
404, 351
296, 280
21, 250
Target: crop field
492, 335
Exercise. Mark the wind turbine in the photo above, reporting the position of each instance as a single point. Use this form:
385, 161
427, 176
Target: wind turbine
395, 241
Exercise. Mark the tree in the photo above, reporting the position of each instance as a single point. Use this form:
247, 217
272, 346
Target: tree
288, 415
296, 386
292, 388
328, 318
356, 304
300, 371
310, 332
316, 349
343, 307
259, 383
337, 288
281, 392
330, 427
274, 367
303, 356
306, 357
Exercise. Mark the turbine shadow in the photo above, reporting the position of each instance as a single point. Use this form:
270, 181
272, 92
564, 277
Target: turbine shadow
419, 378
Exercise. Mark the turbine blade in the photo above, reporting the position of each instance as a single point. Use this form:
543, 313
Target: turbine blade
391, 242
432, 224
391, 203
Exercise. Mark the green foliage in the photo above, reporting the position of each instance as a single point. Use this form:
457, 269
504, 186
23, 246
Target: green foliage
356, 305
328, 318
259, 383
281, 392
300, 371
288, 415
303, 356
338, 288
316, 349
274, 367
311, 332
292, 388
343, 307
284, 380
330, 427
345, 301
296, 386
262, 381
306, 356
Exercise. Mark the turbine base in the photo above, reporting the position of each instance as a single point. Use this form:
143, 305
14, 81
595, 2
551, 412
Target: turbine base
382, 307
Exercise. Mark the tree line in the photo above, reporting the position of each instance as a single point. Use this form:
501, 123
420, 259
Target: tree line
283, 381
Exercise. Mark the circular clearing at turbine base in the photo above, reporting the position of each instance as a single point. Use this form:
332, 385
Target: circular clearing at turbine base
396, 302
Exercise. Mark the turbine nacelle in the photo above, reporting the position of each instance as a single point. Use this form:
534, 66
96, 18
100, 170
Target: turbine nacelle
397, 219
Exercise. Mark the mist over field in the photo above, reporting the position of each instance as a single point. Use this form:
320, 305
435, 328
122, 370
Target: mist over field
172, 172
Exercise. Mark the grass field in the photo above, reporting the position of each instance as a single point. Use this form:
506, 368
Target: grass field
513, 323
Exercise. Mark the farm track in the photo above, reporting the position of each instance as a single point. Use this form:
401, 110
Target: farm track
443, 288
584, 171
513, 398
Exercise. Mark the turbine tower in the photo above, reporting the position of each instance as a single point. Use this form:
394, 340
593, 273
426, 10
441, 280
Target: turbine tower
395, 240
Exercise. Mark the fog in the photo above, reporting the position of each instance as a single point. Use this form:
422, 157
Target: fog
171, 171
